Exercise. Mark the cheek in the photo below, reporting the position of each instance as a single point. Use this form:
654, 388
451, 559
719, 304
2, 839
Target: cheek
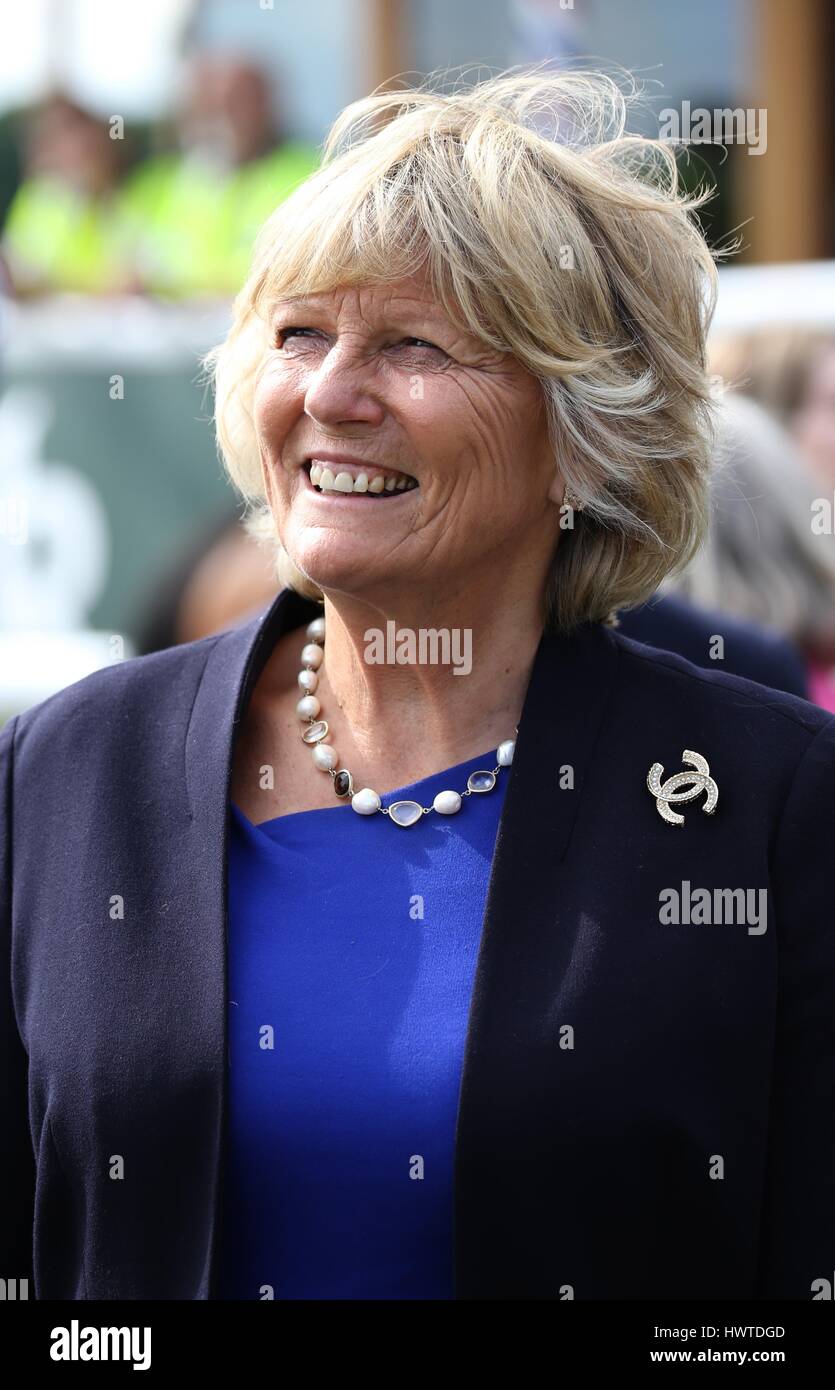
277, 403
498, 425
448, 418
425, 405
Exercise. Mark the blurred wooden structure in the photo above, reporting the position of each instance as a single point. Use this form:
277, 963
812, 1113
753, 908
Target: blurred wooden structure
786, 192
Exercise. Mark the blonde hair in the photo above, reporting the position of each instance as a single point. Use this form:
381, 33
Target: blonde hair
552, 234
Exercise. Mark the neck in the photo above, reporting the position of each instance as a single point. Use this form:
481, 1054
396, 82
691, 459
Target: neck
417, 686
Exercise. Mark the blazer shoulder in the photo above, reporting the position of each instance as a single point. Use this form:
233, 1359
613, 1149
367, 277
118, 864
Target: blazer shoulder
119, 700
757, 653
733, 697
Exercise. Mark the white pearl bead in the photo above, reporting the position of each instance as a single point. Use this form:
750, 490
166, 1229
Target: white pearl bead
504, 753
325, 757
308, 681
308, 707
312, 656
447, 803
316, 630
366, 802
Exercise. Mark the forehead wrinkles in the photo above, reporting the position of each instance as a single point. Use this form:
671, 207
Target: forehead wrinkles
369, 303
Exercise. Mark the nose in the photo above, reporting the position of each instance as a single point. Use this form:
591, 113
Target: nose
341, 390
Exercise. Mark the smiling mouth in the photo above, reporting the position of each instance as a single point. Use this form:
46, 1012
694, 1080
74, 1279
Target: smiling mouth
344, 479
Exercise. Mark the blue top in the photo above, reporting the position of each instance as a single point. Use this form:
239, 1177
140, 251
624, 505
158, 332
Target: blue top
352, 952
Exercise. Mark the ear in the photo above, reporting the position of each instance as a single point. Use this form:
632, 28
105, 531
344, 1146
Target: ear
556, 491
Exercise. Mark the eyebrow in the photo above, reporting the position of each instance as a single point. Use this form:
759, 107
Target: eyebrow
314, 302
300, 301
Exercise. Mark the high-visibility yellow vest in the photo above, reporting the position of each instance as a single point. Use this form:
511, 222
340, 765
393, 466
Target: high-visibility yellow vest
56, 238
193, 228
175, 227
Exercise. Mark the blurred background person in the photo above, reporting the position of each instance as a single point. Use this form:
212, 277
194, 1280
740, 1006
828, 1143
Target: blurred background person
65, 228
791, 371
761, 560
217, 582
194, 211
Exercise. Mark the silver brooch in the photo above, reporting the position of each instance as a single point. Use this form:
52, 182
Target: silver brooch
697, 782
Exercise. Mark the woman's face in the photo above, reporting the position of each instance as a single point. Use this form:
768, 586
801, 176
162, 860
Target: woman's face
376, 380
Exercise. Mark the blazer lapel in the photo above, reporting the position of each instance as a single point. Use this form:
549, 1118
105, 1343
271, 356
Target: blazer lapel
498, 1161
232, 669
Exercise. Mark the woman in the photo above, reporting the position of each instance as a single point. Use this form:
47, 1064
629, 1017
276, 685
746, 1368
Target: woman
764, 558
285, 1035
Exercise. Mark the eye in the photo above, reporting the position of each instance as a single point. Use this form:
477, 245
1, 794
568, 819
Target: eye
415, 345
286, 331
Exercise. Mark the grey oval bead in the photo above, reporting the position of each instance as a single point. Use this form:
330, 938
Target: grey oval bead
405, 812
316, 732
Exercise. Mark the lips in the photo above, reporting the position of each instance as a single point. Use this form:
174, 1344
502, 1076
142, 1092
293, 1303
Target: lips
333, 476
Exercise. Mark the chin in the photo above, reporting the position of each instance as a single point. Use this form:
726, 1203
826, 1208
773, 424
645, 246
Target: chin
346, 568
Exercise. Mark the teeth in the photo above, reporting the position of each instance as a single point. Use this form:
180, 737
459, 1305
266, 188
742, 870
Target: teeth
322, 477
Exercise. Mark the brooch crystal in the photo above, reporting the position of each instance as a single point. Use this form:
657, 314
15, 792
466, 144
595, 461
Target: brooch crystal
696, 782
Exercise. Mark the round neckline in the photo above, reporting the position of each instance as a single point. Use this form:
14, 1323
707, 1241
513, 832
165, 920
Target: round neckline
484, 760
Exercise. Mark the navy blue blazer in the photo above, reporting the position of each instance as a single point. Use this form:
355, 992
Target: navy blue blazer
647, 1106
670, 622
